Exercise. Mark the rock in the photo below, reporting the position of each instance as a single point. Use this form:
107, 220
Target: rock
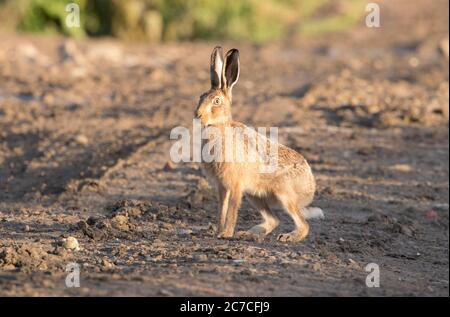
184, 232
120, 222
23, 255
81, 140
404, 168
351, 261
164, 292
71, 243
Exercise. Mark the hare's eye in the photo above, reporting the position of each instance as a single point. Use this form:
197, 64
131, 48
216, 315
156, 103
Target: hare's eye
216, 101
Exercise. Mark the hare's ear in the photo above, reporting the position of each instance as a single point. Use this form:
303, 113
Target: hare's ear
230, 73
216, 67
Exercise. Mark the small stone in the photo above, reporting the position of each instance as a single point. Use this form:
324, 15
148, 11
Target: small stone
184, 232
404, 168
81, 140
71, 243
107, 264
27, 228
164, 292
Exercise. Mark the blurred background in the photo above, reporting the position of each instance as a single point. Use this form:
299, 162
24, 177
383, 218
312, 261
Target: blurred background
169, 20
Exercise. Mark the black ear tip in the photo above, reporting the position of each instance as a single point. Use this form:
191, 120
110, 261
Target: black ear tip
233, 53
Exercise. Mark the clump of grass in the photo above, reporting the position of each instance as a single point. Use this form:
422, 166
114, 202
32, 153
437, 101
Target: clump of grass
48, 17
167, 20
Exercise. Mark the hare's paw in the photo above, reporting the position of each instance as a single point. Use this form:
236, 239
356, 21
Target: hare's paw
294, 236
224, 235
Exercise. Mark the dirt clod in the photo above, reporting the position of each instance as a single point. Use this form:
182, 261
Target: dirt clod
71, 243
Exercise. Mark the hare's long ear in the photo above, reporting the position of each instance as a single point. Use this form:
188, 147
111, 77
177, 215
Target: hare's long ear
230, 73
216, 67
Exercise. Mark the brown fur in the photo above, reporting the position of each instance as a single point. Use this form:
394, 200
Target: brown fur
290, 186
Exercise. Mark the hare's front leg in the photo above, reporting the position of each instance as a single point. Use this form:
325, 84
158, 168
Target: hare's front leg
223, 196
231, 217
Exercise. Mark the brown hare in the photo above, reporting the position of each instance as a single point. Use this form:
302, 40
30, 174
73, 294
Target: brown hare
290, 185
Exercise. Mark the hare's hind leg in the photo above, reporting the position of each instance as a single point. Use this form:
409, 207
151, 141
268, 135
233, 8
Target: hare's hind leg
270, 220
291, 206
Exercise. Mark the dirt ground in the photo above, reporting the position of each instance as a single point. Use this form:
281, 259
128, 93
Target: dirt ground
84, 152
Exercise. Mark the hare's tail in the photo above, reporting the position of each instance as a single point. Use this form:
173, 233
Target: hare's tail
313, 213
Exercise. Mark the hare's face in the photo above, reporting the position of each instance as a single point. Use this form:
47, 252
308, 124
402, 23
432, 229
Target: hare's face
214, 108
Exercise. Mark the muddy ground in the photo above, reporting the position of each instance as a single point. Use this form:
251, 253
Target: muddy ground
84, 152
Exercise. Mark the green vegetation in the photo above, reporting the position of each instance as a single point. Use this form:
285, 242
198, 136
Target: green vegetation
166, 20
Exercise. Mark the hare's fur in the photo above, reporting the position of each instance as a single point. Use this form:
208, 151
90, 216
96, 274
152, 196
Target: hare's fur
291, 185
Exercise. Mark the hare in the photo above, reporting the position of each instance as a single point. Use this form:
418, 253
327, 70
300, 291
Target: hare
291, 185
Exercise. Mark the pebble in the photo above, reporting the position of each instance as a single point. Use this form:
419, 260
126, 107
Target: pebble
71, 243
405, 168
184, 232
81, 139
107, 264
